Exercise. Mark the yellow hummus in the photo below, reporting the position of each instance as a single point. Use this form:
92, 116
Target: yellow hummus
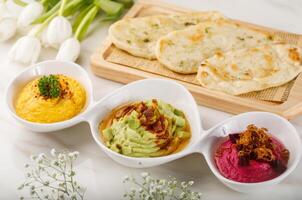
32, 106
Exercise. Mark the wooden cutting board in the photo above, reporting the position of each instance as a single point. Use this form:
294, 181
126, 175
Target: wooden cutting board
112, 63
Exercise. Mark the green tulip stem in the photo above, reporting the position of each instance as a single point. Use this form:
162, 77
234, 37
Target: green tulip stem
43, 25
46, 15
61, 11
85, 23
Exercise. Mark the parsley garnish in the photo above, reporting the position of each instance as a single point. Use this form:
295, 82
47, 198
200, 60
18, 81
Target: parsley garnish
49, 86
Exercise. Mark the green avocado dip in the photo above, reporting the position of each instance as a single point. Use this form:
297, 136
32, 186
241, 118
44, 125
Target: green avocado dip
149, 128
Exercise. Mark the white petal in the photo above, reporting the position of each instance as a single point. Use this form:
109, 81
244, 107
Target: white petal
58, 31
42, 36
26, 50
31, 12
13, 10
4, 11
8, 27
69, 50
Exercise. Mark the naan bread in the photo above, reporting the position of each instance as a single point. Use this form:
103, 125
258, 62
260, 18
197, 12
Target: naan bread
182, 51
138, 36
251, 69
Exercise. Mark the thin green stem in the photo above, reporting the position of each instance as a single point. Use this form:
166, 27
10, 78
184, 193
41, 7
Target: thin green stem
85, 23
43, 25
61, 11
141, 186
71, 176
79, 18
52, 11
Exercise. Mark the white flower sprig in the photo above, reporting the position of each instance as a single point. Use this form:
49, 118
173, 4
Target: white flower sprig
52, 177
160, 189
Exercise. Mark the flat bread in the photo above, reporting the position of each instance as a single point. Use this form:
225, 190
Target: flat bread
138, 36
251, 69
182, 51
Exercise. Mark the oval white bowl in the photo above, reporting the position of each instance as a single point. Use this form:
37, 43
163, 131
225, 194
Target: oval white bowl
168, 91
70, 69
277, 126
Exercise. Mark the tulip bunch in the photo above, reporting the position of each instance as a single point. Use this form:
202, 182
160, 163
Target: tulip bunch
60, 24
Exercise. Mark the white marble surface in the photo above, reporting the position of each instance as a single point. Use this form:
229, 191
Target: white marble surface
99, 173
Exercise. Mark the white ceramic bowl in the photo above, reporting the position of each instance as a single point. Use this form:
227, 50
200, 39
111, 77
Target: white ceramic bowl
202, 141
168, 91
277, 126
45, 68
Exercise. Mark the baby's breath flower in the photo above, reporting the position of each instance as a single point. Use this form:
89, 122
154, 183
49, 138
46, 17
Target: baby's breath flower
53, 152
183, 184
126, 178
42, 156
61, 156
33, 157
190, 183
44, 178
160, 189
182, 195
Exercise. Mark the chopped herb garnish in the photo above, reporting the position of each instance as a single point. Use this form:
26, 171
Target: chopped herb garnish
169, 42
129, 41
49, 86
146, 40
240, 38
155, 25
206, 30
189, 23
181, 64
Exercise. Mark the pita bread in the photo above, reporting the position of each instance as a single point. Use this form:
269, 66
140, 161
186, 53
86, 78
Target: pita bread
251, 69
138, 36
182, 51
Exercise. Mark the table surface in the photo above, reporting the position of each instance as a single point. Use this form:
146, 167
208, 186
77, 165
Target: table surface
101, 175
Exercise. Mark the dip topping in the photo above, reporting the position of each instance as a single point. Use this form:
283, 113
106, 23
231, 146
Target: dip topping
49, 86
145, 129
255, 144
149, 118
251, 156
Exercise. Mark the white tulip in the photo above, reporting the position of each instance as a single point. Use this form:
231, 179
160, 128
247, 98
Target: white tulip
31, 12
26, 50
2, 7
8, 27
43, 38
58, 31
41, 34
3, 10
69, 50
9, 9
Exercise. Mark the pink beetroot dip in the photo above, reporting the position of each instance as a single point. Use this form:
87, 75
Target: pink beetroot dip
228, 163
